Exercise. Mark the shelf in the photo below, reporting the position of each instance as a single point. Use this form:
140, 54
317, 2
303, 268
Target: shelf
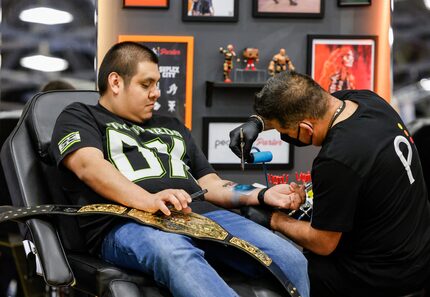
211, 85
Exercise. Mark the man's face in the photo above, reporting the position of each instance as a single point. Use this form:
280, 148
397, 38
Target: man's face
348, 59
140, 95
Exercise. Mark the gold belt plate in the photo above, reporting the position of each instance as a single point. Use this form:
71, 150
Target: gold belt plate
191, 224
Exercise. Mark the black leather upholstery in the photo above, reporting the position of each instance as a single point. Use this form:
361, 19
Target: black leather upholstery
26, 187
31, 180
122, 288
28, 173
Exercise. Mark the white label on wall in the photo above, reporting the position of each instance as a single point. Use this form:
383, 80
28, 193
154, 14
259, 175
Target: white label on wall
220, 153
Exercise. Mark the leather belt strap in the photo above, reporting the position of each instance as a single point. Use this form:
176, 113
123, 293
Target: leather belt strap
191, 224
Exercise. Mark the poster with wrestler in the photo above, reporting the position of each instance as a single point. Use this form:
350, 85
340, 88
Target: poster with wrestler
342, 63
210, 10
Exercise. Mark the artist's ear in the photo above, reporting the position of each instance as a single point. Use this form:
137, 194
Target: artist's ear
307, 126
115, 82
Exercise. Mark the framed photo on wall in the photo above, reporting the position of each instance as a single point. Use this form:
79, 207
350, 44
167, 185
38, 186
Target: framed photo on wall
354, 2
210, 10
146, 4
216, 145
342, 62
288, 8
175, 54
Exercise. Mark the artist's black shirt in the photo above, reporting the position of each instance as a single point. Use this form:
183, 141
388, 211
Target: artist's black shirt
156, 155
368, 184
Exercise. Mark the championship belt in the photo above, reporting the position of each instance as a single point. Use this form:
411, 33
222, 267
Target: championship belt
190, 224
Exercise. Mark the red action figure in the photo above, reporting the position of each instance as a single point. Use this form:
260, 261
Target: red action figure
250, 56
229, 55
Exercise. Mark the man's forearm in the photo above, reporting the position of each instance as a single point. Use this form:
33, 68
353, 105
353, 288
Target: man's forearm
89, 166
222, 192
108, 182
317, 241
292, 228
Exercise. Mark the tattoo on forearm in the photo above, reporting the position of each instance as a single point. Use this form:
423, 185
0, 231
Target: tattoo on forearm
238, 190
229, 184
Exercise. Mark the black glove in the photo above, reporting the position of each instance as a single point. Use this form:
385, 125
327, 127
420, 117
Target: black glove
259, 214
251, 129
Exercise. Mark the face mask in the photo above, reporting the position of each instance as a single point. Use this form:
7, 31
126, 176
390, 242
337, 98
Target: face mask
295, 141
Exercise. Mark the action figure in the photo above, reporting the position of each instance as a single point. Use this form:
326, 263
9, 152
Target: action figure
250, 55
280, 62
336, 74
229, 54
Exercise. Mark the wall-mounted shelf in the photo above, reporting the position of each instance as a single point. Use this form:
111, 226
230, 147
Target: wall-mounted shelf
211, 85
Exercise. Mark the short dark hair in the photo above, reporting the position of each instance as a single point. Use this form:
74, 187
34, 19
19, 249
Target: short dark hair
123, 58
289, 97
57, 85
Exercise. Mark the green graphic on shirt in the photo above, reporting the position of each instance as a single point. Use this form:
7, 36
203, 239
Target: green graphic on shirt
117, 141
68, 140
139, 130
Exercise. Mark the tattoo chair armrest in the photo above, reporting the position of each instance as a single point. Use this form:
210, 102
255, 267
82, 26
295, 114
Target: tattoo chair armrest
55, 267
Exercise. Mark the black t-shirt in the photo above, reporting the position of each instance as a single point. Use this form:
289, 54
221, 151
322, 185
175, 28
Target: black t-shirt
368, 184
156, 155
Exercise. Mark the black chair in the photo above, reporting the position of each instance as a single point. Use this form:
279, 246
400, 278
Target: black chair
65, 262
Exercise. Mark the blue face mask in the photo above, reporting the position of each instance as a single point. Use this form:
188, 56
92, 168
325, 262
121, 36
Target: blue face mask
295, 141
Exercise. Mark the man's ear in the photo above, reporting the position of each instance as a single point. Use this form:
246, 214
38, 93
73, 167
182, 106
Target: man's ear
307, 126
115, 82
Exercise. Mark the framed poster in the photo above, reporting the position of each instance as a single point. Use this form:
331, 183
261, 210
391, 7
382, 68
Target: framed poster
210, 10
146, 4
288, 8
354, 2
342, 62
175, 54
216, 141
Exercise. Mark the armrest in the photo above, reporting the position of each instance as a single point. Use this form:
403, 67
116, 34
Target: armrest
118, 288
55, 267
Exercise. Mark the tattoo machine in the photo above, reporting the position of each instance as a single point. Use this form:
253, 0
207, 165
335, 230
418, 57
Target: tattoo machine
261, 157
199, 196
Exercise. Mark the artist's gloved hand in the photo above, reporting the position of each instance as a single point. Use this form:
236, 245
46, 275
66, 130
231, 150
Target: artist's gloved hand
251, 129
259, 214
